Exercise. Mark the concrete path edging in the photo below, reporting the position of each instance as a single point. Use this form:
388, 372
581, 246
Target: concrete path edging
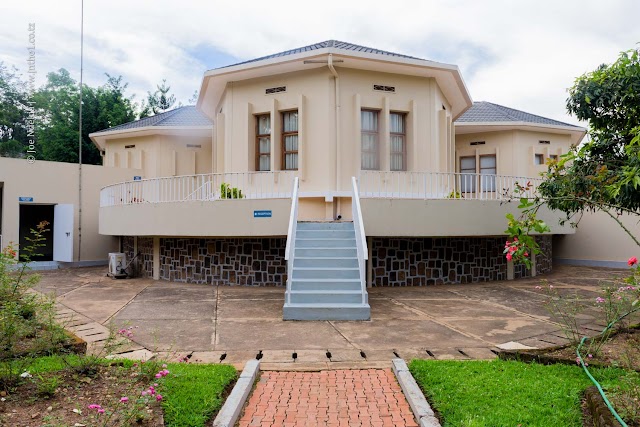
418, 403
232, 408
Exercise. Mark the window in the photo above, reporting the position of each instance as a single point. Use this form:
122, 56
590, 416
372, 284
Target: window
539, 159
467, 174
488, 167
398, 141
553, 157
369, 135
290, 140
263, 142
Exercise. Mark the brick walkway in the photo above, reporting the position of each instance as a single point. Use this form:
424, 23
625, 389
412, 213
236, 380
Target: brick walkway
370, 397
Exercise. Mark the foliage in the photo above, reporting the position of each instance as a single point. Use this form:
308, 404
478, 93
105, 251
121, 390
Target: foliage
455, 195
229, 192
605, 171
159, 101
13, 115
506, 393
194, 392
27, 320
57, 106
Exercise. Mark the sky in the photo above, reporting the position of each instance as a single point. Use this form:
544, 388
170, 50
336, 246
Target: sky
523, 54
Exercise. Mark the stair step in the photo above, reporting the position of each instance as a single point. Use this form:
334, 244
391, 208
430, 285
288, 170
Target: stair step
325, 243
326, 234
325, 273
315, 262
344, 252
327, 297
326, 285
326, 312
325, 226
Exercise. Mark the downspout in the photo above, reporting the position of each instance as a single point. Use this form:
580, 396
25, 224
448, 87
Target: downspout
337, 95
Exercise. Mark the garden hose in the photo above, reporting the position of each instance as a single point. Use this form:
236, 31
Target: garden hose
593, 380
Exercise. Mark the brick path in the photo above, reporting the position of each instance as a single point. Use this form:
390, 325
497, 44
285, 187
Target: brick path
368, 397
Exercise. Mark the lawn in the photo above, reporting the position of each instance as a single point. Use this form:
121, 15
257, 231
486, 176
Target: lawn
190, 393
506, 393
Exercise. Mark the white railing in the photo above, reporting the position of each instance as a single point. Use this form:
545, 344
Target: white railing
208, 187
442, 185
289, 253
361, 238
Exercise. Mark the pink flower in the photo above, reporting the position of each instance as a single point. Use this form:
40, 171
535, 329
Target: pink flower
144, 393
158, 375
509, 257
124, 399
94, 406
101, 411
632, 261
539, 287
577, 360
526, 254
164, 365
599, 300
159, 397
590, 356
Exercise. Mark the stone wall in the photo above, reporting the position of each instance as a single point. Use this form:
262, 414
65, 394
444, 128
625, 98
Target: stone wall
429, 261
143, 266
234, 261
545, 257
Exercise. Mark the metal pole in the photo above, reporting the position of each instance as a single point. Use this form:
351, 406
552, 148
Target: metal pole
80, 135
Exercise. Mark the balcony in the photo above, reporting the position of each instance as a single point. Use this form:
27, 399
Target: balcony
444, 204
223, 205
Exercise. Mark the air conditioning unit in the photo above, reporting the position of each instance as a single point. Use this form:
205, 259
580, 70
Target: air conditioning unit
117, 265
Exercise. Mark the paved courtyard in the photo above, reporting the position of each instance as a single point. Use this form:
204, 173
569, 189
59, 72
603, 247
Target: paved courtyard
234, 324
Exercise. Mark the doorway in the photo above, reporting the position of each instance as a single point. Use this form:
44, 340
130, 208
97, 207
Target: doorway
30, 217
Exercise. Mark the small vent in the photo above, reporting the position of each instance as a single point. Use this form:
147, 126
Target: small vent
545, 142
273, 90
477, 143
194, 146
382, 88
129, 146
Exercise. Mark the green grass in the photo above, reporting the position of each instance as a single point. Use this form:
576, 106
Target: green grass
506, 393
193, 392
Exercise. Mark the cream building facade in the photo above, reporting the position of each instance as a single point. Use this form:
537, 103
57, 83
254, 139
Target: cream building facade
328, 169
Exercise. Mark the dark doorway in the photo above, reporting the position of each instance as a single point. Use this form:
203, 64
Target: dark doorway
30, 217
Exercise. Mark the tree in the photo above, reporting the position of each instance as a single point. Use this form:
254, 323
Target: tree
57, 103
13, 113
159, 101
604, 173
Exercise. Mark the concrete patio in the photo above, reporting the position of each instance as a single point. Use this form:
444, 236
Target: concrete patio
236, 323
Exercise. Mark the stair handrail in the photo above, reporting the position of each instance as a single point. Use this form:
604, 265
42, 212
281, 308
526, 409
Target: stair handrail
361, 238
291, 237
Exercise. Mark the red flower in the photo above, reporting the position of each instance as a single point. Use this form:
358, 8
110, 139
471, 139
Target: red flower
632, 261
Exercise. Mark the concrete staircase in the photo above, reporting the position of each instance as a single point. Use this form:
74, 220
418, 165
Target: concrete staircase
325, 279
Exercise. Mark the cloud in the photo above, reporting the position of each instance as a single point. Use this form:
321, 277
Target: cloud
522, 54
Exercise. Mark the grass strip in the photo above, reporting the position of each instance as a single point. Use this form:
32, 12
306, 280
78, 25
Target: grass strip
192, 393
506, 393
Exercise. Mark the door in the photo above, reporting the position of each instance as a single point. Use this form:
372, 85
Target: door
63, 233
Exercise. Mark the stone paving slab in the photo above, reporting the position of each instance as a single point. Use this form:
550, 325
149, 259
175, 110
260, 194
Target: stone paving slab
370, 397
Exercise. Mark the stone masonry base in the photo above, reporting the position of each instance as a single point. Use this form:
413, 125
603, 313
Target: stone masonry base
402, 261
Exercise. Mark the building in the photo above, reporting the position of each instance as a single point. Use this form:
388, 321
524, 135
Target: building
328, 168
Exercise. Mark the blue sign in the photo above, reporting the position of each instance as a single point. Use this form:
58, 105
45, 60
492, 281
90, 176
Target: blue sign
137, 178
25, 199
262, 214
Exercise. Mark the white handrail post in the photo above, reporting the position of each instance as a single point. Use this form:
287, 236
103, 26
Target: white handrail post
289, 251
361, 239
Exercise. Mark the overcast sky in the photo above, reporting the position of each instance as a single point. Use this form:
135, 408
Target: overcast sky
522, 54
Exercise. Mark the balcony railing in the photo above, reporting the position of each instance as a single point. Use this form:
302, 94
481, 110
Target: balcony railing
437, 185
200, 188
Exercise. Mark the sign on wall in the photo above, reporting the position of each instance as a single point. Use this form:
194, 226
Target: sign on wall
25, 199
137, 178
262, 214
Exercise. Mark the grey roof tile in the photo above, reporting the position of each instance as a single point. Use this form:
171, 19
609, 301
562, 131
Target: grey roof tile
181, 116
483, 112
326, 44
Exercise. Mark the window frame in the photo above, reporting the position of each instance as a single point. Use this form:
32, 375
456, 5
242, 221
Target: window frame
283, 137
403, 115
473, 182
535, 159
480, 169
259, 154
377, 139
